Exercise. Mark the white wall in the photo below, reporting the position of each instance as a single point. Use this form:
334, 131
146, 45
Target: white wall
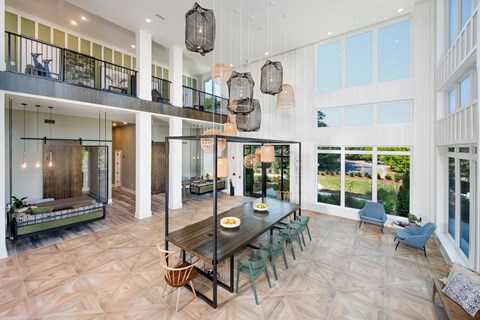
299, 124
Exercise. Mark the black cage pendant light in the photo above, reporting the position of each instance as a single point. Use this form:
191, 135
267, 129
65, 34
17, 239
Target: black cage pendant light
240, 91
200, 30
271, 78
251, 121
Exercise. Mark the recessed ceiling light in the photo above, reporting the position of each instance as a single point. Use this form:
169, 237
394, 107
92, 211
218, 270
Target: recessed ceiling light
400, 10
329, 33
83, 18
266, 53
114, 124
73, 22
148, 20
125, 122
133, 46
261, 27
231, 64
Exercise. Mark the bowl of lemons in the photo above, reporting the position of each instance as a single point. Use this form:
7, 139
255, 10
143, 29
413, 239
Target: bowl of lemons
230, 222
261, 206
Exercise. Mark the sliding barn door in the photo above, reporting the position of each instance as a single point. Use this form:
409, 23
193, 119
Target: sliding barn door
158, 167
62, 169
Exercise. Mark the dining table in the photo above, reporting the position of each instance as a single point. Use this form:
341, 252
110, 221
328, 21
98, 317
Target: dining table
213, 243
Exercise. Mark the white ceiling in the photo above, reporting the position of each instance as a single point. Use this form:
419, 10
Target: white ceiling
246, 29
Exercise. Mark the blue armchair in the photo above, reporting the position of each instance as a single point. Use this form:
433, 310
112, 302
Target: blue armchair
374, 213
415, 236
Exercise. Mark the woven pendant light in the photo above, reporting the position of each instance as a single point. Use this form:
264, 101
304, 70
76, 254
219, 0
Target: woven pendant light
221, 73
250, 161
271, 78
230, 128
258, 154
240, 90
268, 153
207, 143
251, 121
222, 167
200, 30
286, 98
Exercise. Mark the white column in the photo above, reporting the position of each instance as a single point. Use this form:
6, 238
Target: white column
144, 64
3, 179
2, 35
175, 164
175, 76
143, 165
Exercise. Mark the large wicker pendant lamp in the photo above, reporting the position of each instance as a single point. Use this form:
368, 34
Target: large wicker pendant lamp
207, 143
221, 73
222, 167
250, 161
286, 98
240, 90
200, 30
230, 128
267, 154
271, 78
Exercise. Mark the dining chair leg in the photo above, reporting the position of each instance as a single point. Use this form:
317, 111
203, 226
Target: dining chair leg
238, 277
254, 290
299, 243
291, 248
285, 259
193, 289
303, 239
164, 289
268, 277
178, 298
274, 269
308, 230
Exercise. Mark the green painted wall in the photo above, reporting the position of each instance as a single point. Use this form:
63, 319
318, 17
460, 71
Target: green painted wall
159, 73
165, 74
85, 46
28, 27
44, 33
107, 54
134, 63
97, 51
59, 38
127, 61
11, 22
72, 42
117, 58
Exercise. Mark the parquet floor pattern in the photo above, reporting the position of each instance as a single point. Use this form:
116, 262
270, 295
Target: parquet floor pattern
114, 273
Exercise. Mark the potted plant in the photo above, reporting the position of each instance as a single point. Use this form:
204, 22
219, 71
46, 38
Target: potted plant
18, 204
413, 218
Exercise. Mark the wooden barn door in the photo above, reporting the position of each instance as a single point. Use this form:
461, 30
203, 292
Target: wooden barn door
158, 167
62, 174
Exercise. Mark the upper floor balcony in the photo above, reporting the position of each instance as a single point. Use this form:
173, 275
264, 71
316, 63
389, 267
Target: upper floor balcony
43, 60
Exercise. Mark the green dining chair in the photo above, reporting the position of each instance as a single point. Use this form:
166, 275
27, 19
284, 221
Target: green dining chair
302, 221
275, 249
291, 233
253, 267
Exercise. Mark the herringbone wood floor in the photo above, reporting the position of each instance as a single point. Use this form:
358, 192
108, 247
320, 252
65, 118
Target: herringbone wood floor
112, 272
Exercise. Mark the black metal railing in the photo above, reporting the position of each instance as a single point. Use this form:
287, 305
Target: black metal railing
41, 59
160, 90
204, 101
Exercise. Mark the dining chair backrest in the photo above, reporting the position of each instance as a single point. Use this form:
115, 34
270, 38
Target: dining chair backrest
277, 243
174, 275
167, 257
258, 259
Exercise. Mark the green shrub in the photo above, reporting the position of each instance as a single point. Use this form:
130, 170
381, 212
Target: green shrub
379, 177
388, 177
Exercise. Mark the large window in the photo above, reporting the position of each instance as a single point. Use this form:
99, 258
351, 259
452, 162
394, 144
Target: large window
398, 112
350, 61
350, 176
459, 12
463, 93
462, 196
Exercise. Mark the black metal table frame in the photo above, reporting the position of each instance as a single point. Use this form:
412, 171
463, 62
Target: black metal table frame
214, 278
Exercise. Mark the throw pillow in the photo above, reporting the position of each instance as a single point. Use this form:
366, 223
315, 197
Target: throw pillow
465, 291
82, 204
456, 267
40, 210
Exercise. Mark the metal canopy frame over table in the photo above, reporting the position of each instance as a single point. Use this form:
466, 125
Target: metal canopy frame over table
210, 242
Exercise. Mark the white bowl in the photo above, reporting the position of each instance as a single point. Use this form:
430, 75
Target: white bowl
260, 209
236, 224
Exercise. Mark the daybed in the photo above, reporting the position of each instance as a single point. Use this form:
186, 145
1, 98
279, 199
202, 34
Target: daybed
55, 215
204, 186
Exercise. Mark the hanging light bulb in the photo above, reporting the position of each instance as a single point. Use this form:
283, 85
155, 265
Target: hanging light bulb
37, 163
230, 127
222, 167
50, 160
24, 162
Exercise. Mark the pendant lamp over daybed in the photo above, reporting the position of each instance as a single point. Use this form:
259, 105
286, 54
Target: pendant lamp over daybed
271, 78
200, 30
240, 91
286, 98
207, 143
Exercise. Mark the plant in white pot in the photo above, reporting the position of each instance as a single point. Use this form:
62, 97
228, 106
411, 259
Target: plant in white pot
19, 205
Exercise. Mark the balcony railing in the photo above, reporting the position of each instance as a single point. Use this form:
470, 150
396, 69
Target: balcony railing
204, 101
160, 90
41, 59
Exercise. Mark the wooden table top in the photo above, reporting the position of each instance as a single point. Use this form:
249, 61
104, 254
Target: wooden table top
198, 238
